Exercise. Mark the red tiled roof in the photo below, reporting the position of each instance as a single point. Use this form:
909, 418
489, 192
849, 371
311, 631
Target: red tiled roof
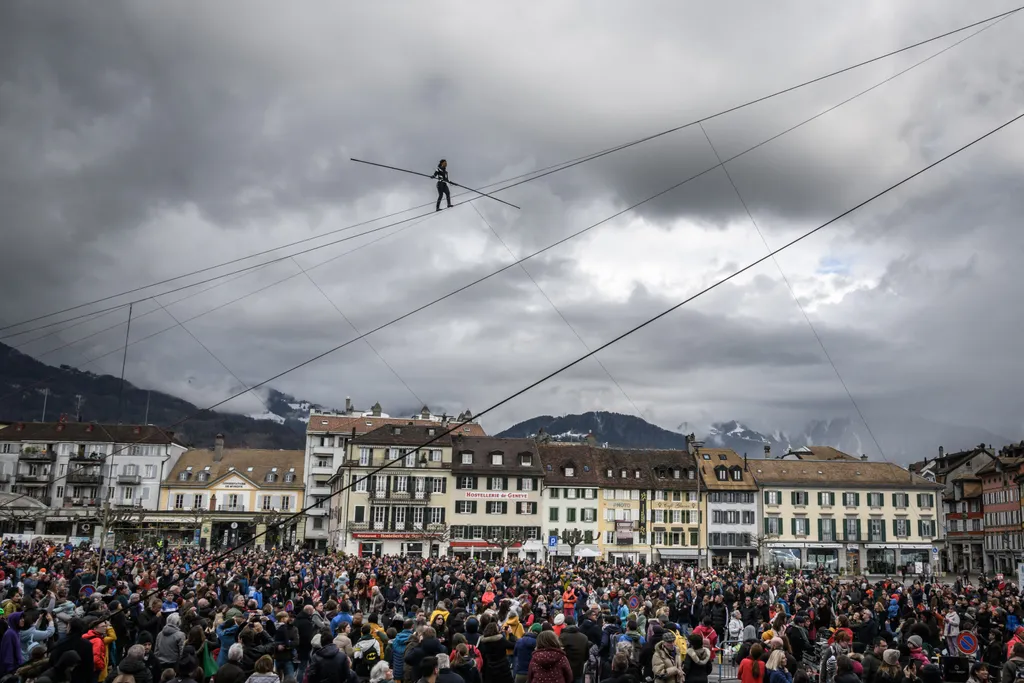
336, 424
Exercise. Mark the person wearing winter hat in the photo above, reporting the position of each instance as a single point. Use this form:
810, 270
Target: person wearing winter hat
915, 645
559, 624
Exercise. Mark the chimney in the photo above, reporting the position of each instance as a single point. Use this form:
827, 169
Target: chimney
591, 439
746, 468
218, 448
348, 404
942, 451
767, 451
864, 457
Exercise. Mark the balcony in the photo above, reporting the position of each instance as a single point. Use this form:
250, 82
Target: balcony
358, 526
134, 503
231, 508
321, 470
86, 457
317, 512
129, 479
318, 491
30, 454
378, 495
94, 478
70, 501
32, 478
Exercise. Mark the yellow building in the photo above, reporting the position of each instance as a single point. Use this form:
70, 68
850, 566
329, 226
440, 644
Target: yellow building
228, 495
847, 515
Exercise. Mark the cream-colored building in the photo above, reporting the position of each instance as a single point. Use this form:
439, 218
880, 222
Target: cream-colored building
221, 497
847, 515
496, 498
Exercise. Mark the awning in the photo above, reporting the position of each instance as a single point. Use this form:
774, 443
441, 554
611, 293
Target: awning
563, 551
678, 552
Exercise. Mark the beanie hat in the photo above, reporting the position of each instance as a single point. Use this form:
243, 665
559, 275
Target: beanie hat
536, 628
915, 641
891, 657
559, 619
668, 637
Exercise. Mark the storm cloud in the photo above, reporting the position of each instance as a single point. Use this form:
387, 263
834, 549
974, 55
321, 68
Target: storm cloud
140, 140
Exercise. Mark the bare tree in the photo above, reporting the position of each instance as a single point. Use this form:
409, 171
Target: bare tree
760, 542
434, 533
573, 538
509, 537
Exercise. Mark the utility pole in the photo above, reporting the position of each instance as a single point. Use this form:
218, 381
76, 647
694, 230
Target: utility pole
46, 396
124, 362
697, 445
78, 407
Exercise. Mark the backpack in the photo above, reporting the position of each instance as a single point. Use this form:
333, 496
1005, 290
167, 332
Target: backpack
365, 657
1018, 674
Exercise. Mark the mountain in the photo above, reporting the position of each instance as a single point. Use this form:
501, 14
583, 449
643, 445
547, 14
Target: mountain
614, 429
903, 438
23, 380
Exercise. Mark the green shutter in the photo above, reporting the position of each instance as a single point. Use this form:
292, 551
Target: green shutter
792, 525
856, 499
858, 528
931, 500
920, 498
766, 502
819, 499
819, 528
792, 497
766, 519
895, 529
920, 528
895, 502
882, 526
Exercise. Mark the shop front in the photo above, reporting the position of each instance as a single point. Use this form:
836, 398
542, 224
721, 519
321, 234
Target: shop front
786, 556
823, 556
881, 558
916, 560
686, 557
377, 544
853, 565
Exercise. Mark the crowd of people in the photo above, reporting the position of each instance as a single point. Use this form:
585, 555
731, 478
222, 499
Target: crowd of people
182, 615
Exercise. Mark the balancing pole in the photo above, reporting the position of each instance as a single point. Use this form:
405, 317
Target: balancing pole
424, 175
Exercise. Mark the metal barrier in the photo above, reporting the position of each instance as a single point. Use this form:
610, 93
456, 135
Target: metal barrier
725, 659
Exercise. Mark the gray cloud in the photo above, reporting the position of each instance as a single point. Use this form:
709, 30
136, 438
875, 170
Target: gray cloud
138, 141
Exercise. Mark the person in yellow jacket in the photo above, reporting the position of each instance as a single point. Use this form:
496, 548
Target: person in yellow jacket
378, 632
442, 611
512, 629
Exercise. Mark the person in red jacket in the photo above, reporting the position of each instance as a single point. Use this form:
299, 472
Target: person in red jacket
549, 663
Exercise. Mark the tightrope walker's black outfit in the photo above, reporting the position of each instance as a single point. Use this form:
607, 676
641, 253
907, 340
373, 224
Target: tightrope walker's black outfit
442, 187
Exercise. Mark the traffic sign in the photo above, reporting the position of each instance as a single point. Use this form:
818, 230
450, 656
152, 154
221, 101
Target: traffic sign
634, 602
967, 642
552, 541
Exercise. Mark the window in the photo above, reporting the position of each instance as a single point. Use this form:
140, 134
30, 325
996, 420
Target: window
497, 459
927, 500
773, 498
570, 515
435, 455
799, 498
826, 498
553, 515
436, 516
772, 526
465, 507
179, 501
636, 474
270, 478
622, 474
900, 500
570, 471
527, 508
465, 482
926, 528
876, 500
828, 529
286, 503
691, 473
497, 484
364, 457
608, 472
721, 474
361, 485
203, 476
184, 476
554, 493
901, 528
526, 484
410, 458
851, 500
659, 538
323, 462
852, 528
737, 474
526, 459
571, 493
589, 514
129, 493
876, 530
197, 501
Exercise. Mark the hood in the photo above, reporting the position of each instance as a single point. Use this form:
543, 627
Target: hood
170, 630
571, 629
491, 639
328, 651
13, 619
131, 665
69, 659
548, 659
701, 656
403, 637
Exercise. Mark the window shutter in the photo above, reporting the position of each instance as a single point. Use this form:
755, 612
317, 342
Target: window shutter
858, 529
766, 519
919, 500
476, 482
489, 483
920, 527
793, 525
442, 515
792, 497
444, 484
534, 481
766, 502
819, 528
895, 500
820, 498
504, 483
895, 529
519, 508
472, 507
519, 483
856, 499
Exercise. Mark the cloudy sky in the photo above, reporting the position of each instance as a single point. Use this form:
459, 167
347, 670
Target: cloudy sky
142, 140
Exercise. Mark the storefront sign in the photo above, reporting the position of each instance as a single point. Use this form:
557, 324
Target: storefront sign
232, 485
643, 516
666, 505
381, 536
914, 546
825, 545
496, 495
618, 504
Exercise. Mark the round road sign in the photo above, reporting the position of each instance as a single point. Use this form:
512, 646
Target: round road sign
967, 642
634, 602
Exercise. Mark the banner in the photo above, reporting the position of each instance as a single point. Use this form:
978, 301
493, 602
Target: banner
643, 517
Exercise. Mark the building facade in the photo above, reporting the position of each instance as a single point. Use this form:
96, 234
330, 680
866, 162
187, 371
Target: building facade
965, 525
76, 468
496, 500
221, 497
393, 499
571, 499
731, 507
1002, 509
847, 516
327, 438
